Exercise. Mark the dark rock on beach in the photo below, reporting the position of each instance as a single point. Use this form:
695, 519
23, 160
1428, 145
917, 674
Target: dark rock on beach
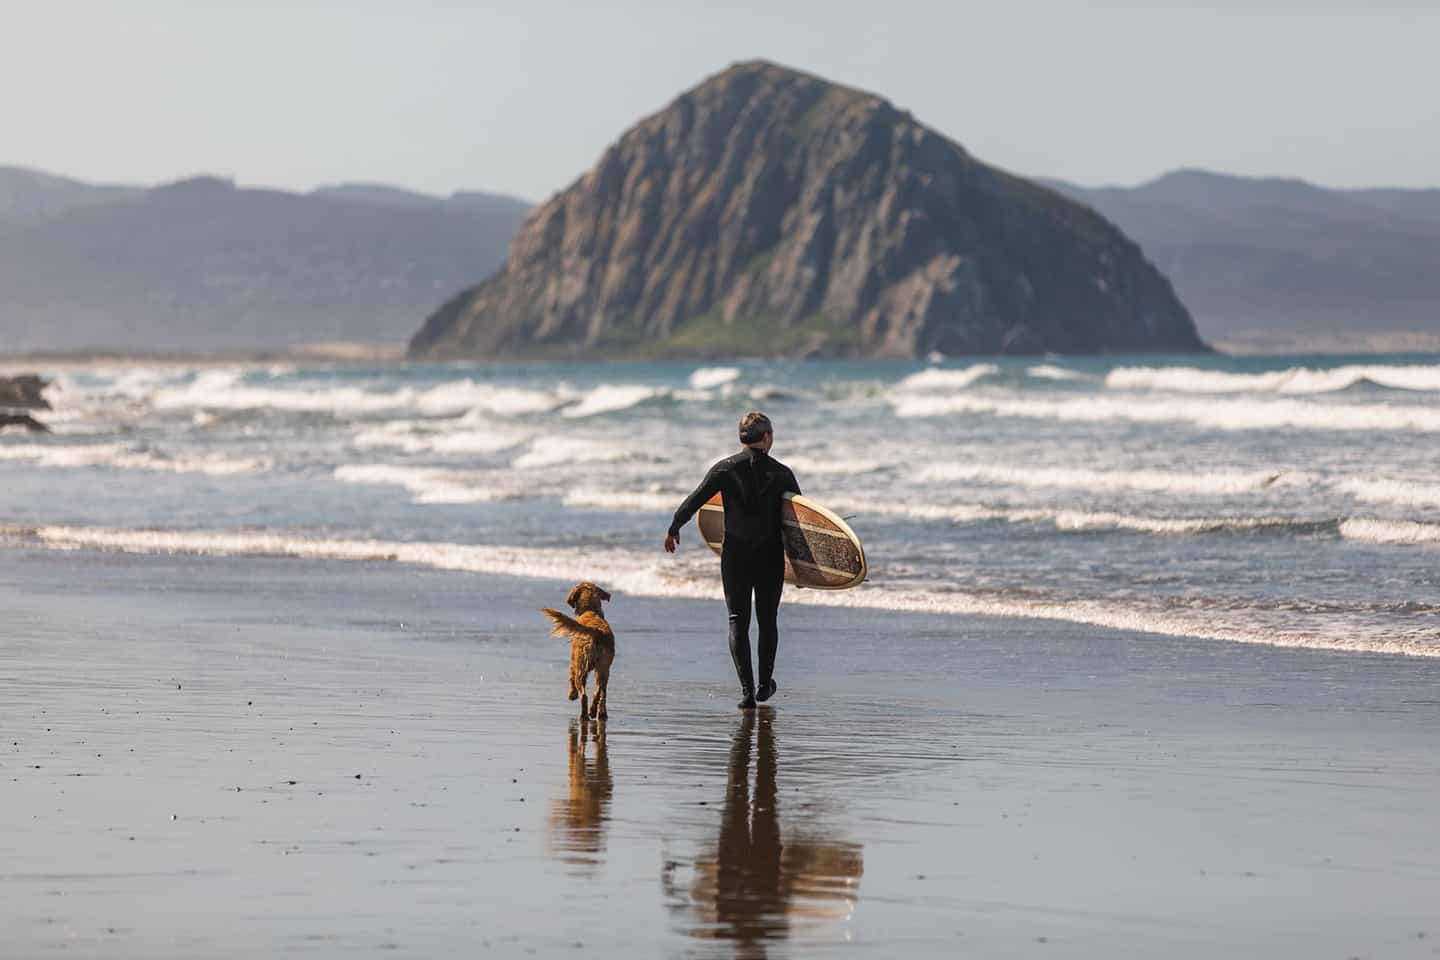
770, 212
25, 392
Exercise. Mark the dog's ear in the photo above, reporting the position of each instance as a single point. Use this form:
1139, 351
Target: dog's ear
574, 593
604, 594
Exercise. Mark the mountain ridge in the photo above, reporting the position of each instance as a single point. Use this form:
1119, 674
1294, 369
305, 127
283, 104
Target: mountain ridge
200, 264
1256, 255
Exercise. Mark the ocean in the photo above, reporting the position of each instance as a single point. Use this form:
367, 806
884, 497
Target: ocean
1285, 501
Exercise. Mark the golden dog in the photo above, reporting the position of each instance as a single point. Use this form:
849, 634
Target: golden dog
592, 645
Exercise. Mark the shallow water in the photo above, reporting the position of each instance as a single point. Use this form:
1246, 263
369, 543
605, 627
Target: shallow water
1283, 501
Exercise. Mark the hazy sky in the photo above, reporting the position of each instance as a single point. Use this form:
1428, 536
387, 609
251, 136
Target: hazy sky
522, 97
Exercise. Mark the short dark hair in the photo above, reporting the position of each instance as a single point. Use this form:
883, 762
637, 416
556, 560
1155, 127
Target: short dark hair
753, 427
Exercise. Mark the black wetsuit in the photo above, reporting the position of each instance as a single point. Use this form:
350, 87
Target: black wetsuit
753, 558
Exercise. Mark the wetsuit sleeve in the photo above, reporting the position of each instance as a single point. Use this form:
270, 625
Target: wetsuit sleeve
791, 486
710, 486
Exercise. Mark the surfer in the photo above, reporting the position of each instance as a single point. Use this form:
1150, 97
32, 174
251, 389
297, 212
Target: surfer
752, 560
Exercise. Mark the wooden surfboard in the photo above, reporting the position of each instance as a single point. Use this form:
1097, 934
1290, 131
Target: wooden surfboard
821, 551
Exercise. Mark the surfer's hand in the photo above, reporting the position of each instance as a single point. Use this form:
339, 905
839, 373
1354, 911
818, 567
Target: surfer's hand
672, 540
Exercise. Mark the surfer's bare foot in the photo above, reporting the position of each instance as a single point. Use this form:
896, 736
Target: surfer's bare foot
766, 691
748, 703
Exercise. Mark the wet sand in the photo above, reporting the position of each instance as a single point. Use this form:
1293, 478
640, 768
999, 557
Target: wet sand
209, 757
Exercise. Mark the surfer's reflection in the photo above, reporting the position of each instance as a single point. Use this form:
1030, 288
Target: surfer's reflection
577, 823
756, 885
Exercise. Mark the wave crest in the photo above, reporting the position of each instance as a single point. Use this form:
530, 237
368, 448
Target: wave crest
1299, 380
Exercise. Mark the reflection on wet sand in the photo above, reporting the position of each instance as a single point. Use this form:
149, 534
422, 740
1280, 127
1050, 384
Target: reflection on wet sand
761, 880
577, 823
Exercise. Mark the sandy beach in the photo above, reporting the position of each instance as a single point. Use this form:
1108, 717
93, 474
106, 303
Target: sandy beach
384, 760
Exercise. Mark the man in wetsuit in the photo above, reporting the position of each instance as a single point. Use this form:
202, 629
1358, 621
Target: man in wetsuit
753, 557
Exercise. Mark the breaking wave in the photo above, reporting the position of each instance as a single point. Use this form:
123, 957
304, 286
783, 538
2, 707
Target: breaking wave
707, 378
626, 571
1367, 530
557, 450
225, 390
1300, 380
938, 378
1401, 492
122, 457
1080, 521
1150, 481
428, 485
609, 398
422, 436
1047, 372
859, 509
1214, 414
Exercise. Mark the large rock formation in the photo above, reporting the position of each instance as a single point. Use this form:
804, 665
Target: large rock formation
768, 212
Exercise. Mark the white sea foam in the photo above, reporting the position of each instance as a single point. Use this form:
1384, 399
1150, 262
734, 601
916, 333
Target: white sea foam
1402, 492
639, 501
1214, 414
934, 379
840, 464
957, 513
428, 436
556, 450
120, 457
1047, 372
224, 390
1300, 380
1213, 483
707, 378
628, 572
1137, 619
478, 399
1366, 530
1073, 521
428, 485
609, 398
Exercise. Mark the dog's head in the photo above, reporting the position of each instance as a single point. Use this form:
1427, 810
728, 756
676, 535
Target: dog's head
586, 596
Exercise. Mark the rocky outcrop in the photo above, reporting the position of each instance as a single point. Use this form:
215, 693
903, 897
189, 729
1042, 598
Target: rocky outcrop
25, 392
769, 212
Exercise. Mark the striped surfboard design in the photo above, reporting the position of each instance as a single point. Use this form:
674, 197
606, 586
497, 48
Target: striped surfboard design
821, 551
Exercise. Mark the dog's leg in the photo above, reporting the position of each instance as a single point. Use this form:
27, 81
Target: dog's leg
584, 706
577, 676
602, 692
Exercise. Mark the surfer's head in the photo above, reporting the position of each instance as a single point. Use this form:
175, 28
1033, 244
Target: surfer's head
756, 431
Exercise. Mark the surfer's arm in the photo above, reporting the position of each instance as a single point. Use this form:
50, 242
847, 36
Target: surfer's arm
791, 484
708, 488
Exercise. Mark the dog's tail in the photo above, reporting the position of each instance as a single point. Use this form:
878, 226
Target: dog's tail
568, 627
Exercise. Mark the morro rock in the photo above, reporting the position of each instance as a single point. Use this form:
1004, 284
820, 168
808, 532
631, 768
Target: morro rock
768, 212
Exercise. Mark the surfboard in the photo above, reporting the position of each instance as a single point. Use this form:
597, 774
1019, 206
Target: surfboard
821, 551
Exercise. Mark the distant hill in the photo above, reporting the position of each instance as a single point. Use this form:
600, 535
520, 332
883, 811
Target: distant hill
770, 212
201, 265
29, 196
1284, 258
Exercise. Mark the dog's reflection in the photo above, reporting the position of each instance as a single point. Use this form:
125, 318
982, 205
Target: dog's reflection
758, 883
577, 823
